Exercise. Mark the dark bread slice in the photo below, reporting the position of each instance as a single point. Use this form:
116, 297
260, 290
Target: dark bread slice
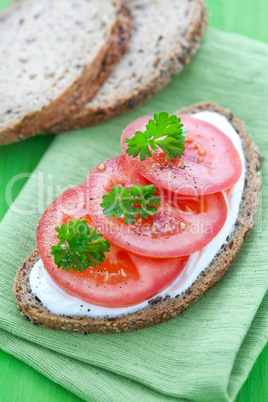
148, 65
52, 94
159, 310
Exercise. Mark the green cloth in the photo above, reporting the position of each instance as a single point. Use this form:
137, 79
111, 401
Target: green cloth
204, 355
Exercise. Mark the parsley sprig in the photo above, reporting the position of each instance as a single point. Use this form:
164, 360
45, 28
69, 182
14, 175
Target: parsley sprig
131, 203
79, 247
163, 125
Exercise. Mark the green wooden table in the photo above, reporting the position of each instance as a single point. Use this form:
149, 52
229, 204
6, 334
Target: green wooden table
19, 382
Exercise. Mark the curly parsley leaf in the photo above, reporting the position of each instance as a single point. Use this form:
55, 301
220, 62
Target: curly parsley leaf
138, 201
79, 246
163, 125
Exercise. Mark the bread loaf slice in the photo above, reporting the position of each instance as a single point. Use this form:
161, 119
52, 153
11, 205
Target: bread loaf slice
166, 33
159, 309
55, 54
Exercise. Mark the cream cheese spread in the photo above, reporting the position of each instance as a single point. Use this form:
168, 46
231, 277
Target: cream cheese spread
61, 303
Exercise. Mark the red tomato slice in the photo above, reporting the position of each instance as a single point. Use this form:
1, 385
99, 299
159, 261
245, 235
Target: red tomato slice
181, 226
210, 162
122, 280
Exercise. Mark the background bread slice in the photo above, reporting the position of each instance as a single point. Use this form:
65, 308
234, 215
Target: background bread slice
159, 310
165, 35
55, 54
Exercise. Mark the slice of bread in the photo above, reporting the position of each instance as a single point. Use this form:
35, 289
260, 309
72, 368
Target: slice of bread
159, 310
55, 55
166, 34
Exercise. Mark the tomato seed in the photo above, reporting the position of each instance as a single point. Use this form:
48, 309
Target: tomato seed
188, 139
183, 225
106, 277
167, 227
123, 272
101, 166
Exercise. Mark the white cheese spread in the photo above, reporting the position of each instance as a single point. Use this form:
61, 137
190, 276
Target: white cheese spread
60, 302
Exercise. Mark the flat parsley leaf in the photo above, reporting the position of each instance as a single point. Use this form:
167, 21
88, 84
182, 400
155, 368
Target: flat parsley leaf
163, 125
79, 247
138, 201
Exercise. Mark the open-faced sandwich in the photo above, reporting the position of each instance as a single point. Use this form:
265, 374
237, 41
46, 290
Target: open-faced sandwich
150, 231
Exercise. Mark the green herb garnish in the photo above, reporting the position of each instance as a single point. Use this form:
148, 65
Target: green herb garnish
163, 125
79, 247
130, 203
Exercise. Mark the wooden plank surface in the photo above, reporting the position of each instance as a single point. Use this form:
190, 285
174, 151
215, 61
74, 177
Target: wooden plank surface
19, 382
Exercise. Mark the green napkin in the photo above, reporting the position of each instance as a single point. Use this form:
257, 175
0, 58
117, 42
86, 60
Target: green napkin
205, 355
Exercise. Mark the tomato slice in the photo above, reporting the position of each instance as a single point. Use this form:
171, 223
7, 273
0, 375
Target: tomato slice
210, 162
181, 226
122, 280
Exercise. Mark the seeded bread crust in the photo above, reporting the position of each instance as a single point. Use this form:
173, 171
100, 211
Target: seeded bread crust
84, 87
159, 309
98, 111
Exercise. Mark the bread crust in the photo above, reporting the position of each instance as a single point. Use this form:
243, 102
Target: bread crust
81, 90
164, 72
159, 309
